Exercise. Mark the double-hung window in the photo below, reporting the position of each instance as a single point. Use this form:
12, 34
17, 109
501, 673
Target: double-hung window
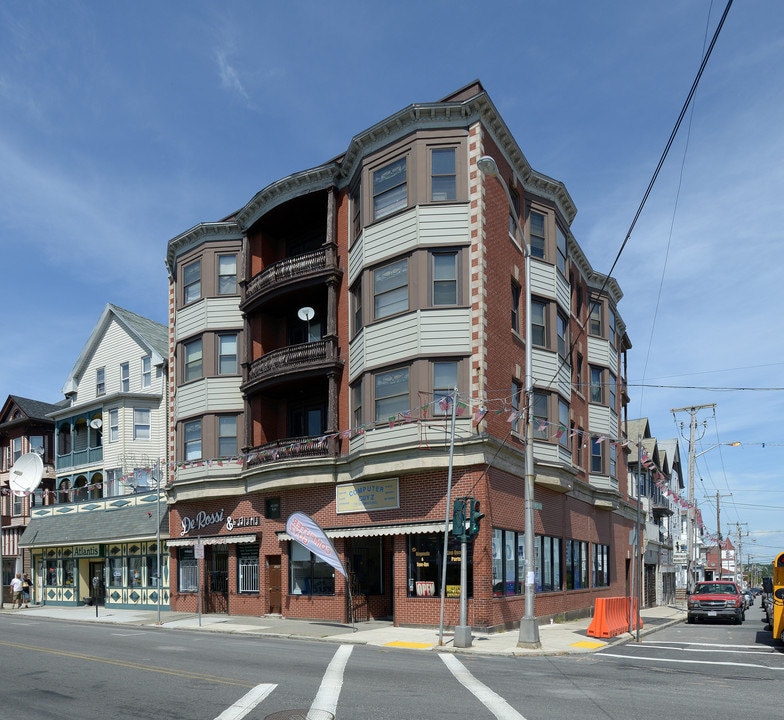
146, 371
141, 424
227, 435
390, 189
536, 238
192, 440
562, 326
390, 289
443, 178
356, 307
191, 282
125, 377
541, 422
560, 239
227, 274
596, 384
445, 278
114, 425
100, 381
444, 383
391, 394
597, 455
539, 323
595, 320
563, 422
193, 360
227, 354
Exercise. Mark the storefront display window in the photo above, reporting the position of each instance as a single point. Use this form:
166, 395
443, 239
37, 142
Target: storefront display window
68, 572
115, 572
425, 568
309, 575
135, 571
188, 570
549, 568
508, 562
52, 572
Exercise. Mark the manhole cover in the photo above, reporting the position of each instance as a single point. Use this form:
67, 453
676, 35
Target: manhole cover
301, 715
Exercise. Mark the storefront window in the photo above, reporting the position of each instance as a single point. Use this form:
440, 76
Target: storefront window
68, 572
601, 565
188, 570
135, 571
248, 568
548, 563
309, 575
52, 572
425, 568
151, 561
508, 562
115, 572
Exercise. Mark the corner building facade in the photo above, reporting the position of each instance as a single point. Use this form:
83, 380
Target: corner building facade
325, 338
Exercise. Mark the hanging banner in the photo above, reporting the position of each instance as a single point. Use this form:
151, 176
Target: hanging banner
309, 534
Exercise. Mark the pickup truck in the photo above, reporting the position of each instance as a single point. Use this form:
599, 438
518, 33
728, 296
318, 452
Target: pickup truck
716, 600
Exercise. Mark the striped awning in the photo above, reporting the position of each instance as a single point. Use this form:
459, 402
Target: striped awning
212, 540
377, 530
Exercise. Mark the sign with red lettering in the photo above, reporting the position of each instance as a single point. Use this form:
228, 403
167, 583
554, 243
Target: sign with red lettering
307, 532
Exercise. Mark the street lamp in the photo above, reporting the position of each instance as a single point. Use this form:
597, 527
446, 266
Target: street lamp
529, 629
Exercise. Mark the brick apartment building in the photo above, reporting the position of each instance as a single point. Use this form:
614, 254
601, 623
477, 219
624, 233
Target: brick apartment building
321, 338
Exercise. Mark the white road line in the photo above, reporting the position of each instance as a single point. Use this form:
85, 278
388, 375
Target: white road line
696, 644
332, 682
725, 651
689, 662
247, 702
490, 699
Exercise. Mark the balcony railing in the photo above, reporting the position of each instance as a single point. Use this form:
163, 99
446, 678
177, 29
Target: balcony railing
80, 457
291, 269
294, 359
290, 449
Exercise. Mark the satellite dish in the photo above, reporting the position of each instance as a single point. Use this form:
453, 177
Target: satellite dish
26, 474
306, 314
95, 424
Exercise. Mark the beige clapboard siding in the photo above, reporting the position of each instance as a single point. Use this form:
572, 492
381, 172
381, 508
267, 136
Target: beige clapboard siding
208, 314
214, 394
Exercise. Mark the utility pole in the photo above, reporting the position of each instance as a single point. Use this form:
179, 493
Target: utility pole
690, 509
739, 564
718, 530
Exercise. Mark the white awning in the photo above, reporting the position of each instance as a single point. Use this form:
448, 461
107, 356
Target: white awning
213, 540
376, 530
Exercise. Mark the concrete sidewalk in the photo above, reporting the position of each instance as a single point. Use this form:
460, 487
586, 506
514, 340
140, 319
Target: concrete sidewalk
556, 639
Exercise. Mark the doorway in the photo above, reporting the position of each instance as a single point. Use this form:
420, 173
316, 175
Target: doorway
97, 584
275, 594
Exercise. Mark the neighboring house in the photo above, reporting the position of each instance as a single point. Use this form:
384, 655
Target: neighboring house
657, 471
98, 536
24, 428
318, 337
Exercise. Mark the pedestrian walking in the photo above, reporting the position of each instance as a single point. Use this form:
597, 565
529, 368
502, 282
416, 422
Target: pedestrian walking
27, 586
16, 590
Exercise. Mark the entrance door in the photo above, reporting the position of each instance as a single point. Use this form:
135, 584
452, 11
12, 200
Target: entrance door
218, 581
273, 572
97, 585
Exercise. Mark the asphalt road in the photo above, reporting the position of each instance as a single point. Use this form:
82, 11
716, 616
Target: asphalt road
59, 669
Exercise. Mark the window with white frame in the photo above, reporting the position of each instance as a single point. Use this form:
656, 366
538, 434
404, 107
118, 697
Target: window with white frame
248, 568
390, 289
356, 307
563, 422
611, 328
125, 377
596, 384
536, 234
443, 175
356, 404
100, 381
612, 390
114, 425
597, 455
191, 282
192, 440
141, 424
193, 367
444, 384
541, 428
539, 323
391, 394
561, 248
444, 278
390, 189
562, 327
227, 435
227, 354
613, 460
187, 570
227, 274
146, 371
595, 319
16, 451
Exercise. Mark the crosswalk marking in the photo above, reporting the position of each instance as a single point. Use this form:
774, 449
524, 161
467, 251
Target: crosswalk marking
247, 702
329, 692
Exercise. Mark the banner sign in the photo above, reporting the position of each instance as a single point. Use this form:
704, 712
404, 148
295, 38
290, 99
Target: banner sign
309, 534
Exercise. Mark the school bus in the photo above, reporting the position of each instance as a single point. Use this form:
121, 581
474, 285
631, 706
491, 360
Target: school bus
777, 624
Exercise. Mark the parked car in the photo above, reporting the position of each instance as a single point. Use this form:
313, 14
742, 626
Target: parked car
716, 600
749, 597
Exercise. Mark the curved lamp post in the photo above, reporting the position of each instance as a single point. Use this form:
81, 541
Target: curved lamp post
529, 629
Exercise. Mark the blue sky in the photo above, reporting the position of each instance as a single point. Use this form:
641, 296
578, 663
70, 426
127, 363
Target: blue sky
123, 124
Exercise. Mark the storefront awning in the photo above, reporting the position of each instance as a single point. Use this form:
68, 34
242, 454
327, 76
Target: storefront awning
212, 540
377, 530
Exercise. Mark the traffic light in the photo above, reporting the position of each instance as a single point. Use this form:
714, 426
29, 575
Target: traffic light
474, 517
459, 518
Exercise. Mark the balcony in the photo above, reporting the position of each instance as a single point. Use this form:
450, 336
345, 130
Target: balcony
290, 449
306, 268
77, 458
294, 361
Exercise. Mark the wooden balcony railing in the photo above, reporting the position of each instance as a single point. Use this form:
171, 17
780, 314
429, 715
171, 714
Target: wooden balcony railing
289, 270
